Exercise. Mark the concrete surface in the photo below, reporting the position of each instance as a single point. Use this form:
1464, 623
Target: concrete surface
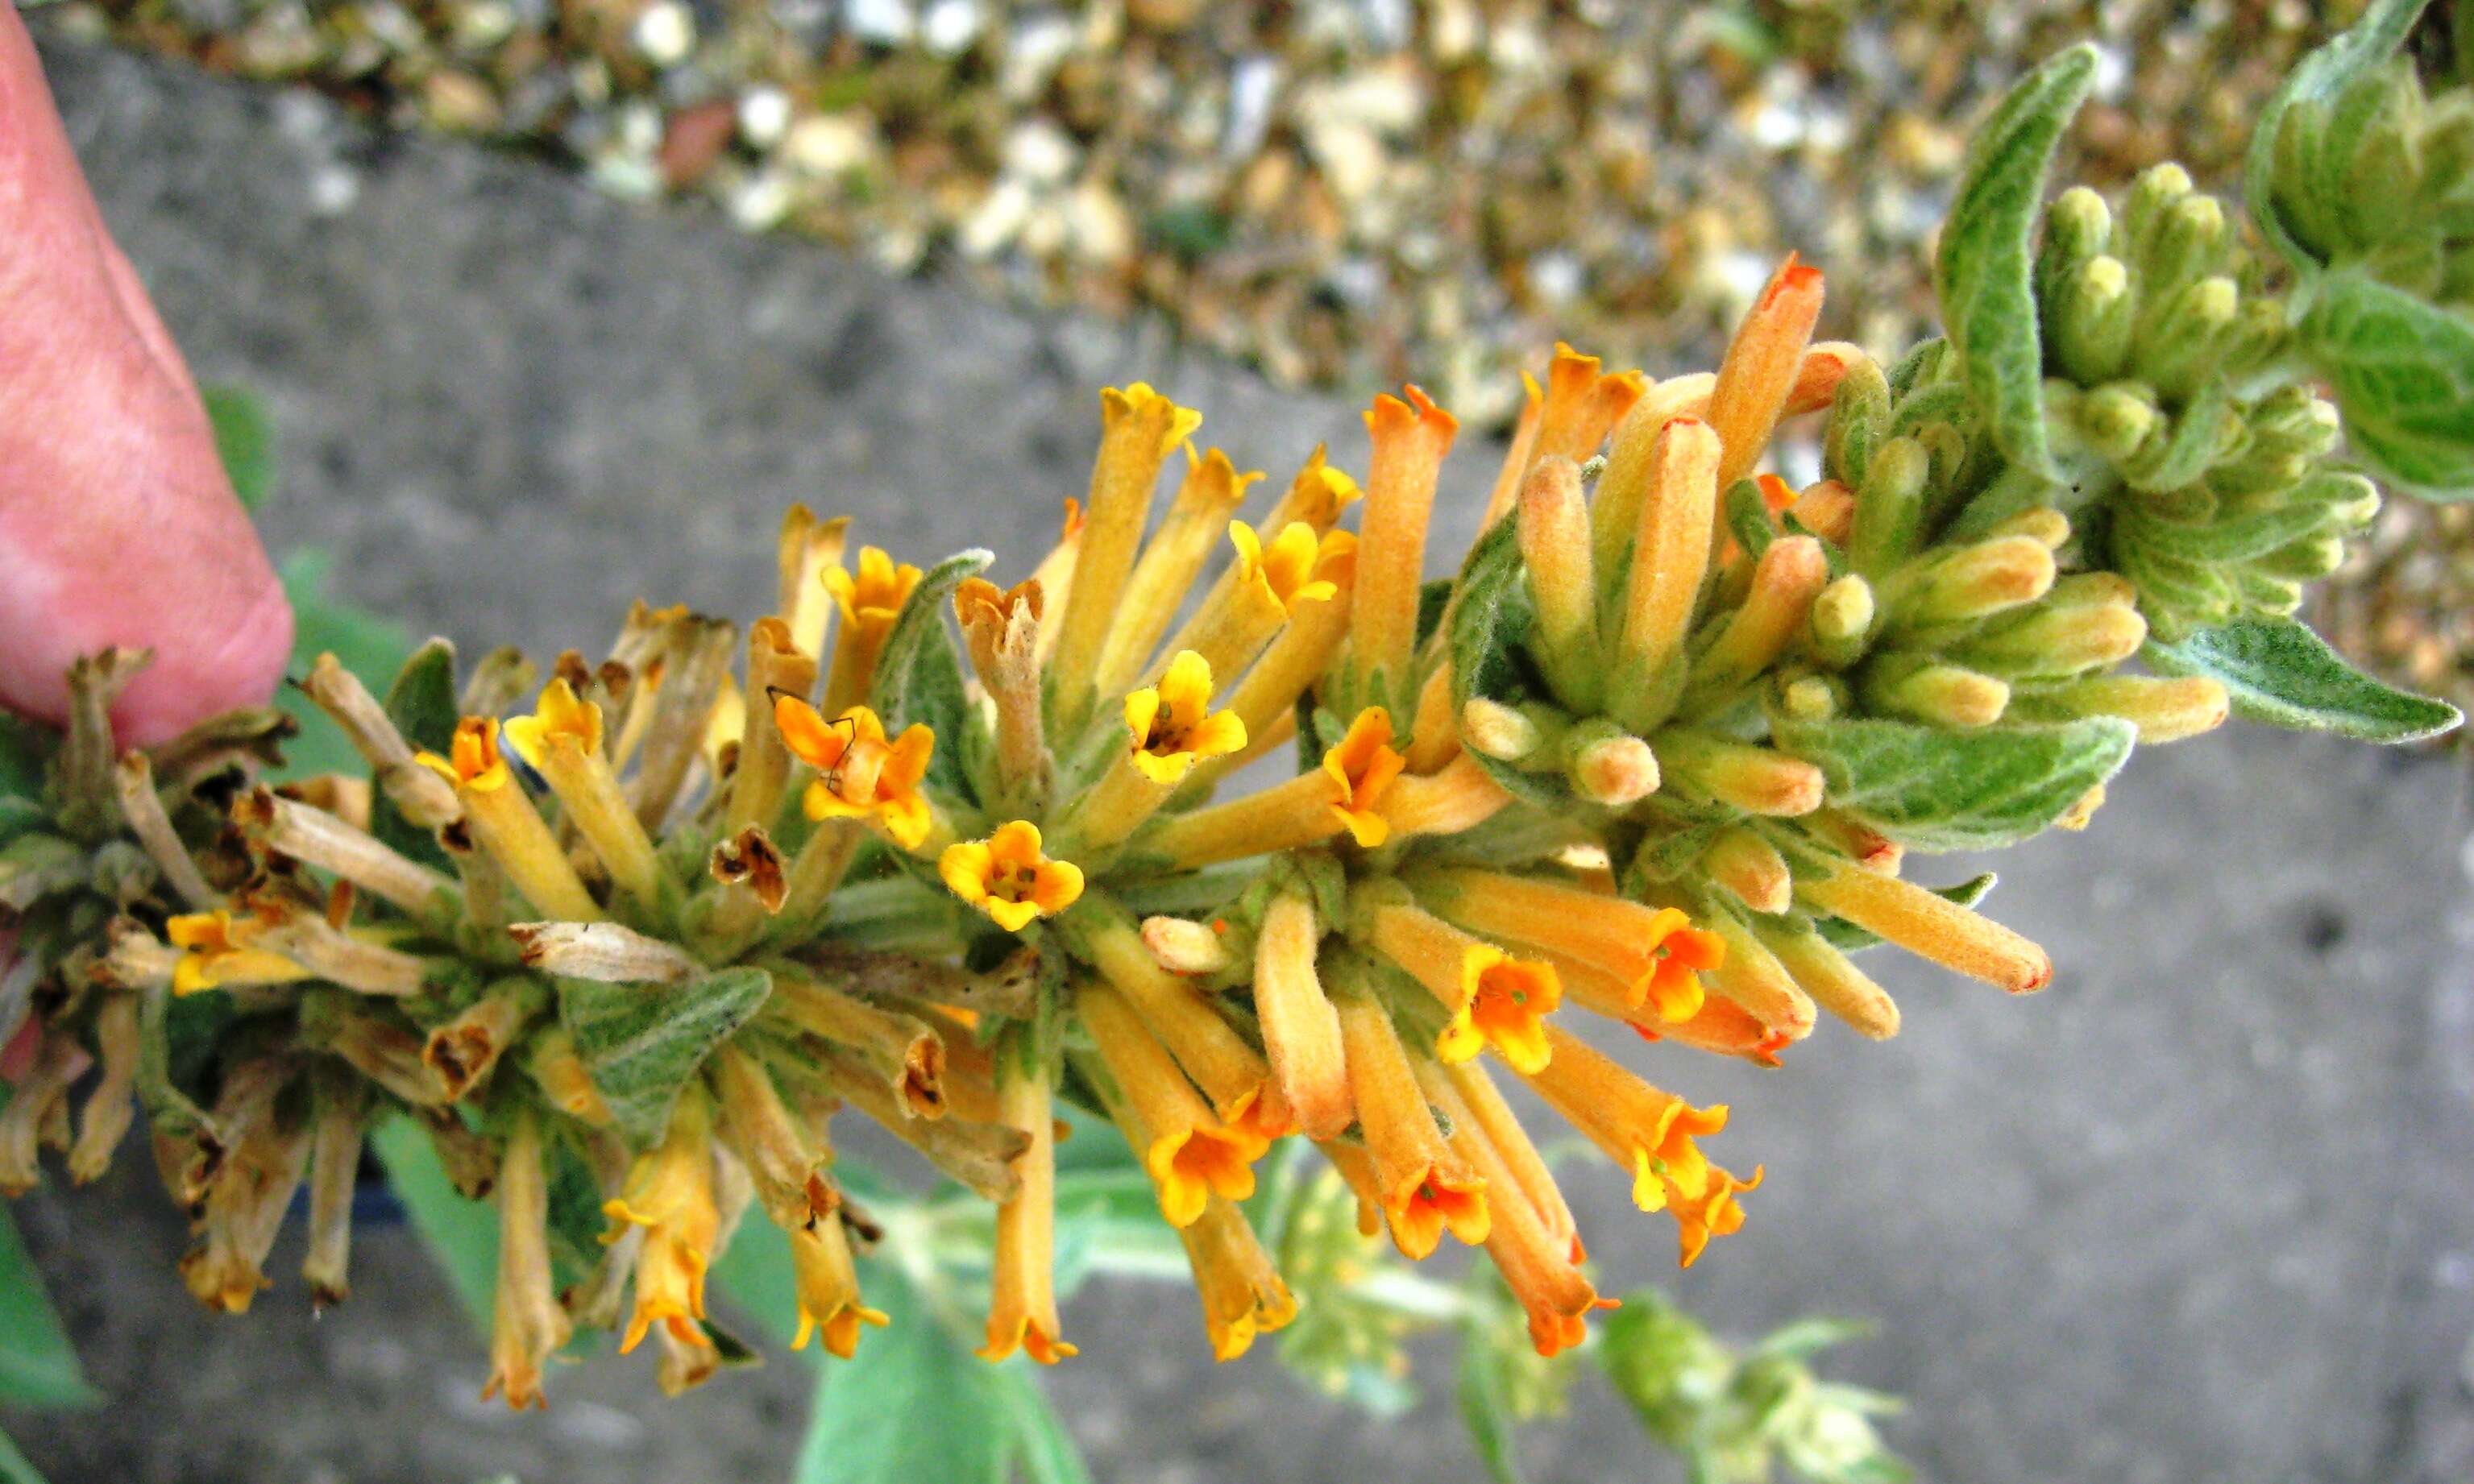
2202, 1212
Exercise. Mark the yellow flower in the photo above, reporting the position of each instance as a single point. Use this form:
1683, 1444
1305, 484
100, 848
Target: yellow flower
870, 600
1716, 1212
559, 717
1678, 951
1363, 765
1172, 724
1504, 1002
472, 759
215, 952
669, 1193
861, 774
1286, 569
829, 1296
1136, 400
1008, 876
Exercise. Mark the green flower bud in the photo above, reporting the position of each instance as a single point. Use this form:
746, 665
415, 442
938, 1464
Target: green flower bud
2090, 322
2307, 559
1859, 419
1932, 691
2119, 421
1813, 698
2077, 226
2180, 347
2052, 641
1889, 507
1842, 621
2188, 243
2156, 191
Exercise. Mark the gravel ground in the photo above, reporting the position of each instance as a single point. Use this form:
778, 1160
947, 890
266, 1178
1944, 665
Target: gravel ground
2202, 1212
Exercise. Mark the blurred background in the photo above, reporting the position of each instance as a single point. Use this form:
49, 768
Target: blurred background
558, 302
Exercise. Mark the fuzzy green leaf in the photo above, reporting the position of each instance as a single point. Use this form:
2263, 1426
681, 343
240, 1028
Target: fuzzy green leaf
919, 673
1484, 1391
422, 702
918, 1405
1931, 788
14, 1467
2317, 78
462, 1235
244, 440
2277, 671
38, 1366
2402, 375
641, 1043
1984, 271
1491, 619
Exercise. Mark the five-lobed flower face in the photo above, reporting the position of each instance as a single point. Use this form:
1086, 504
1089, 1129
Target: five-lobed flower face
860, 773
473, 758
560, 719
1285, 571
1365, 764
870, 597
1505, 1002
1010, 876
1172, 725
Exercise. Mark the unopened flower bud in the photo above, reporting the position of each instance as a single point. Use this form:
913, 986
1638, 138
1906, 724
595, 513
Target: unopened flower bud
2188, 243
1858, 418
1973, 582
2164, 711
2307, 559
2053, 641
1842, 620
2118, 422
2090, 319
1493, 730
1613, 769
1938, 694
2077, 226
1813, 698
1889, 507
1184, 946
2158, 189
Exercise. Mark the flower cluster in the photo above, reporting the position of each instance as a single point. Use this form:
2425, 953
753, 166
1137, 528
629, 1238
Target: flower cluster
1231, 832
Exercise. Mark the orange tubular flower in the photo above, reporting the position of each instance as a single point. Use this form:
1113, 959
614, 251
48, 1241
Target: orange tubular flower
215, 952
1411, 438
528, 1326
1425, 1187
1583, 406
1301, 1032
1648, 1131
1716, 1212
1286, 571
1171, 724
1190, 1155
1504, 1003
829, 1298
1364, 764
1539, 1264
1494, 997
1022, 1314
1241, 1290
669, 1193
1657, 951
503, 820
1762, 367
869, 600
1009, 877
861, 775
